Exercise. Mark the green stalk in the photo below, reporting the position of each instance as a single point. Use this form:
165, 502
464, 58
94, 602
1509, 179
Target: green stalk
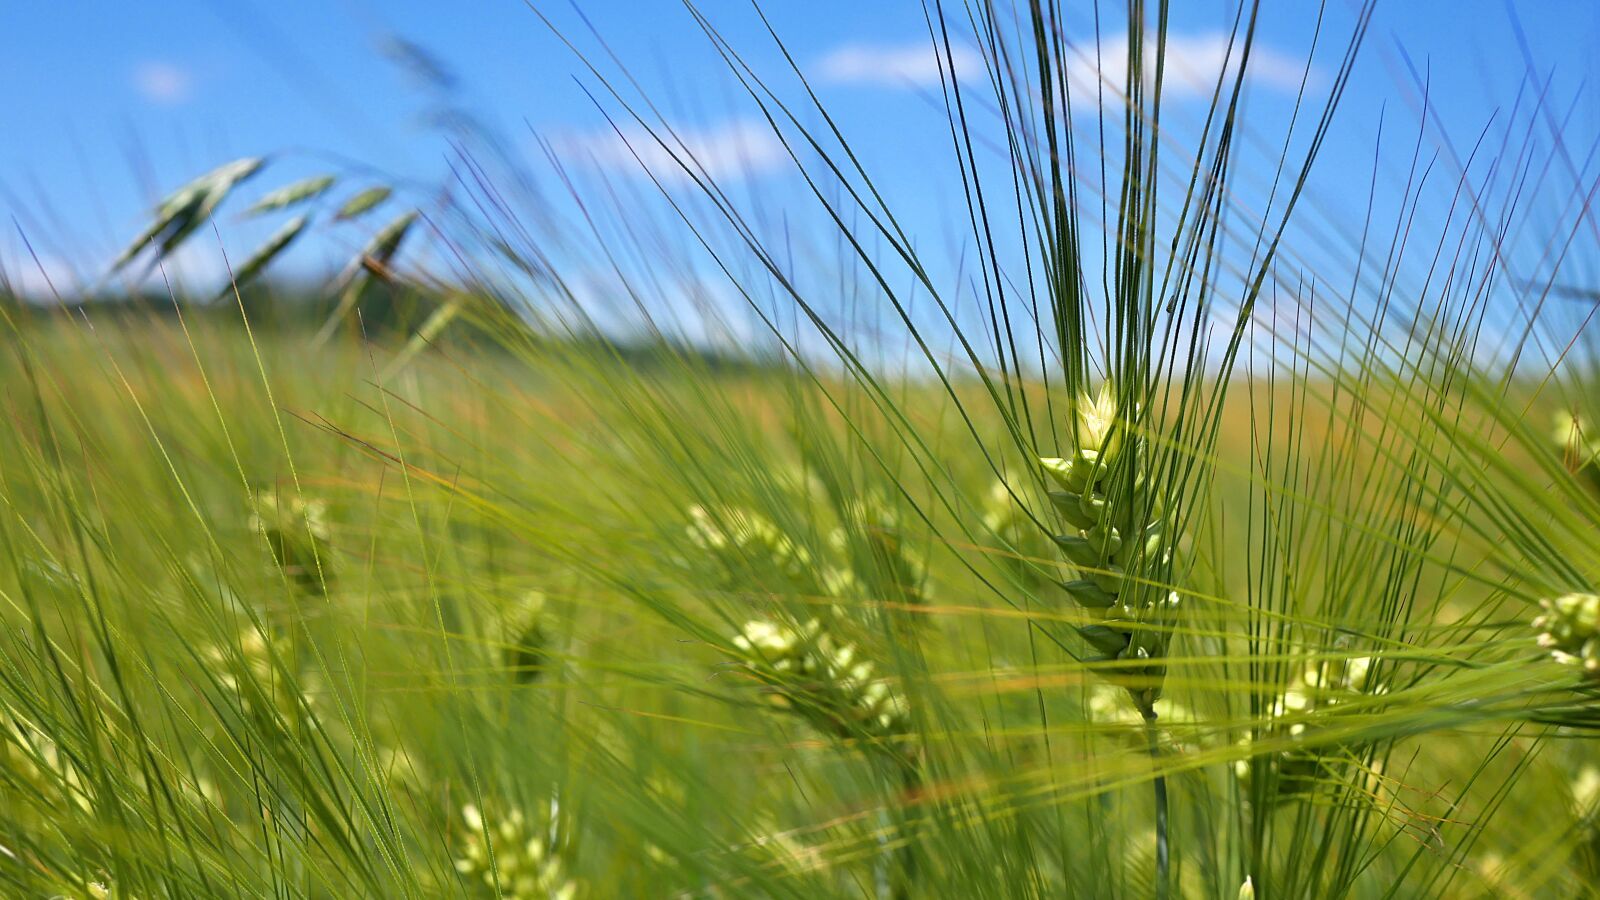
897, 876
905, 863
1163, 862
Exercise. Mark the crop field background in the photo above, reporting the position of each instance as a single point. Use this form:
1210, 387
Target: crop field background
1150, 522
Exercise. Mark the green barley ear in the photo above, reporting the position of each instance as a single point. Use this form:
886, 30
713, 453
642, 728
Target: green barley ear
271, 249
1586, 793
743, 541
1109, 709
502, 856
806, 671
379, 252
245, 668
293, 194
1570, 630
872, 537
1318, 693
829, 684
299, 537
99, 888
525, 646
375, 259
183, 211
32, 765
1116, 537
363, 202
1578, 444
1016, 539
1586, 812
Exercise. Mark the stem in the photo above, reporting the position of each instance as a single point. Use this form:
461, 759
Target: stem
896, 870
904, 872
1163, 863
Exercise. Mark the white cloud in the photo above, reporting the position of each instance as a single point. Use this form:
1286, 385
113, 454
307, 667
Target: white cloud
40, 279
741, 147
162, 83
1193, 63
917, 64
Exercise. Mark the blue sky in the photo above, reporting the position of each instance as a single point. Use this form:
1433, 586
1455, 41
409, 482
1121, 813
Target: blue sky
118, 103
107, 106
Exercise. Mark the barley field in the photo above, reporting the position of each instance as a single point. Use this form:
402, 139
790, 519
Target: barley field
1166, 533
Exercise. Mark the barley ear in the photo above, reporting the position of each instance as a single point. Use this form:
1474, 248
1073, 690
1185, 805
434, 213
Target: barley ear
363, 202
186, 209
1116, 538
263, 256
292, 194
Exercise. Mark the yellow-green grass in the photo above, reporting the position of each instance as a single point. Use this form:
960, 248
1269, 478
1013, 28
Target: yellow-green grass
189, 719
